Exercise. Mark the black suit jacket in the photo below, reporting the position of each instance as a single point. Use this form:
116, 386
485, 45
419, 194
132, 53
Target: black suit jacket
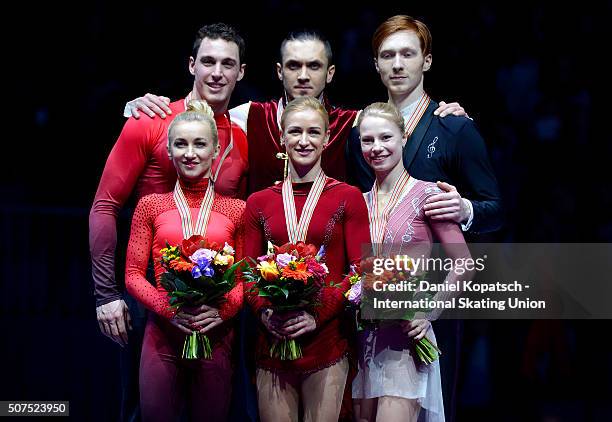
448, 149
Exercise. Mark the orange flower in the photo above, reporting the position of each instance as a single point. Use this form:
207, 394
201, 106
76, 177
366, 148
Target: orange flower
177, 265
298, 272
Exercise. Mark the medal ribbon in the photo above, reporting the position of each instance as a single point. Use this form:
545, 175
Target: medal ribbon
416, 115
185, 212
378, 222
297, 229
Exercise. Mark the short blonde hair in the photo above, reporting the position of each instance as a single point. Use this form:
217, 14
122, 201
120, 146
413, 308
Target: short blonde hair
384, 110
197, 111
302, 104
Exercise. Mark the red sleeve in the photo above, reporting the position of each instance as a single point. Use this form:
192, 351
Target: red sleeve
235, 297
253, 247
139, 249
123, 167
233, 301
356, 241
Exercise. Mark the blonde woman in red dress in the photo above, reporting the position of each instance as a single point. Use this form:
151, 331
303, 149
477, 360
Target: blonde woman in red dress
169, 383
335, 216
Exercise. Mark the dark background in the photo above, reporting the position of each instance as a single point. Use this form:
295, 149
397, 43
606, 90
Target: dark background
529, 73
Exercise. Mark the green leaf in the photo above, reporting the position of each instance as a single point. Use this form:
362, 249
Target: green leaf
231, 270
180, 284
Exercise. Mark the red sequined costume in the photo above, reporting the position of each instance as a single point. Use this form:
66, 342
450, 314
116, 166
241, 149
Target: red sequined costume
340, 222
138, 164
166, 379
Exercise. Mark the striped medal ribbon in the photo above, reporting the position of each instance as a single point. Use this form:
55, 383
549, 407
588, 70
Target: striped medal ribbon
297, 229
378, 223
185, 212
416, 115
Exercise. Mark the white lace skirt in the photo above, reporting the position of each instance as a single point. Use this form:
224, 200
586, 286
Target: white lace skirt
387, 368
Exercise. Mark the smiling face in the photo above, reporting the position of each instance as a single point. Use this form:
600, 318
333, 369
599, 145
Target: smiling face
305, 137
381, 143
305, 69
192, 149
400, 63
216, 69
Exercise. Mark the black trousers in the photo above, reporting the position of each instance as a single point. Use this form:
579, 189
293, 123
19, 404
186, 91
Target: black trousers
449, 334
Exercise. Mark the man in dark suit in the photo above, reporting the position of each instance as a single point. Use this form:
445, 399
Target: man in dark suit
449, 151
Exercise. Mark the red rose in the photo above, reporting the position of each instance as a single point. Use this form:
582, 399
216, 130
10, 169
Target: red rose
367, 264
195, 242
300, 249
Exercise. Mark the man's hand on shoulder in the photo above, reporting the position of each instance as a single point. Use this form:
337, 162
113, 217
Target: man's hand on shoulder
451, 108
447, 205
150, 105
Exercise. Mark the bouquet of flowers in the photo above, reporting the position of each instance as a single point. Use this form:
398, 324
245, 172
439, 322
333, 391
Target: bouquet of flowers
290, 277
361, 295
198, 273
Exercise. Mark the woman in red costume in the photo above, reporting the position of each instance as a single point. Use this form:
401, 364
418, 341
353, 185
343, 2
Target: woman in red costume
167, 382
338, 220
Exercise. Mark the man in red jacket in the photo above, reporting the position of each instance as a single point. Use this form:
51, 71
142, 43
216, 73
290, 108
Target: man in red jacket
138, 165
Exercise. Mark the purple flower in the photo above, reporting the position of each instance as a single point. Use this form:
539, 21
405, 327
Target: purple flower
321, 253
284, 259
208, 271
354, 294
202, 253
203, 265
195, 272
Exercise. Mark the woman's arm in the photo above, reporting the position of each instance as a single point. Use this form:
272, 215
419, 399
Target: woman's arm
235, 297
254, 240
451, 237
139, 249
356, 238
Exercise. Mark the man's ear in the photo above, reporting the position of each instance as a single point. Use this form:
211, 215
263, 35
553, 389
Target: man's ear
331, 70
279, 71
192, 65
427, 63
241, 72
